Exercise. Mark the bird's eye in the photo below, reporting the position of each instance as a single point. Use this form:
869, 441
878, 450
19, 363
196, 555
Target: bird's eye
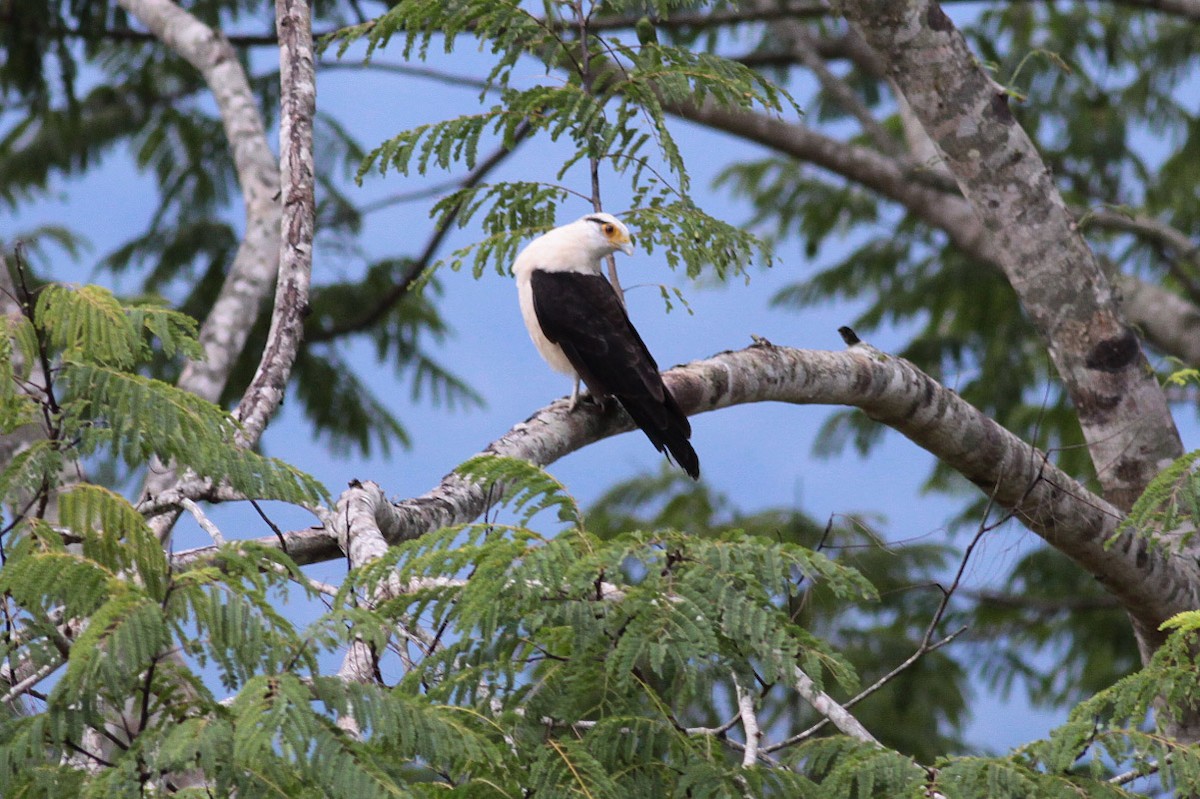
609, 228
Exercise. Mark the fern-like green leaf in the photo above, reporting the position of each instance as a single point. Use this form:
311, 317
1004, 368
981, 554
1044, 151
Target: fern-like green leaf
136, 417
114, 535
528, 489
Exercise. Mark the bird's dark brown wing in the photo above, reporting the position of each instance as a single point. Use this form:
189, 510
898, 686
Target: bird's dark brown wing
582, 314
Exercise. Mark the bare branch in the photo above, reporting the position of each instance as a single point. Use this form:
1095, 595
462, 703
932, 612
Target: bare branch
1149, 583
224, 332
21, 687
406, 70
359, 537
927, 644
745, 703
1126, 777
1122, 410
205, 523
298, 101
841, 718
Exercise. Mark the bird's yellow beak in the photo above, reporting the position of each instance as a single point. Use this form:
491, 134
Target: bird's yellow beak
624, 243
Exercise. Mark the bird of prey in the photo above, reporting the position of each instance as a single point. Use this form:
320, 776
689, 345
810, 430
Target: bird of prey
580, 327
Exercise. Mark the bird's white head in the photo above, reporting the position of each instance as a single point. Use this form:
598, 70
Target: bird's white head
604, 234
576, 247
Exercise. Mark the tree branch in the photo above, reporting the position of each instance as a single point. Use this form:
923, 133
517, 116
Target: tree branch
749, 717
1122, 410
1169, 322
298, 100
1149, 583
224, 332
824, 704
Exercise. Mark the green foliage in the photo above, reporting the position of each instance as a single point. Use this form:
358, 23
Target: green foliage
919, 712
600, 661
97, 404
1170, 503
590, 653
610, 109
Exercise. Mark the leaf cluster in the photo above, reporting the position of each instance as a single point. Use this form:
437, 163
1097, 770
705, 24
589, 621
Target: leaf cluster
67, 367
609, 110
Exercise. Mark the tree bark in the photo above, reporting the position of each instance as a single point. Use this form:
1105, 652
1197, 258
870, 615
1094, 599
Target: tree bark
1123, 412
224, 332
298, 100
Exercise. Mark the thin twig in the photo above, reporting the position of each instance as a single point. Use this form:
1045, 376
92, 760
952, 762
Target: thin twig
927, 644
745, 703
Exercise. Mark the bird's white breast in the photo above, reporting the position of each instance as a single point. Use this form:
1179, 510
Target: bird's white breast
564, 249
551, 352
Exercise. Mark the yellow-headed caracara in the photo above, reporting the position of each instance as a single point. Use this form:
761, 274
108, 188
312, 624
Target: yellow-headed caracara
580, 327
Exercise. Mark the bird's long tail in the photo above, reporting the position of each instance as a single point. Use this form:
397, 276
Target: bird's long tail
667, 427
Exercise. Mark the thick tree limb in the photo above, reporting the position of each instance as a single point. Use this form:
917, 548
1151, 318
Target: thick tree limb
1123, 412
224, 332
1148, 583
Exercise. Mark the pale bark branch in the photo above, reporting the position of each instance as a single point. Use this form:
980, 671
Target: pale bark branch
750, 726
1150, 584
224, 332
20, 687
298, 100
1123, 412
205, 523
359, 537
824, 704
